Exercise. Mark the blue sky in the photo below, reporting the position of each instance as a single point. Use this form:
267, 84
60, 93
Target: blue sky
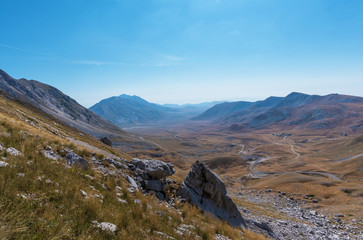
179, 51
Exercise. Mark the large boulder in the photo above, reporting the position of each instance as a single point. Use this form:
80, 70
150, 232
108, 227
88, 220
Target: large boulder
150, 175
75, 160
207, 191
106, 140
153, 168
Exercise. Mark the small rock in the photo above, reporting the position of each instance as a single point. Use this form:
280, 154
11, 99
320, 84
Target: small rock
12, 151
314, 213
105, 226
315, 201
3, 164
84, 194
221, 237
160, 213
50, 154
90, 177
132, 182
122, 200
164, 236
20, 175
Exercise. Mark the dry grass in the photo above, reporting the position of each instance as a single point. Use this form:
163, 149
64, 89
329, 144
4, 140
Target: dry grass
319, 150
41, 198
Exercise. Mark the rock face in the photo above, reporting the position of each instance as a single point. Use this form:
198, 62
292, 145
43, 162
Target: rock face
106, 141
150, 175
75, 160
153, 168
206, 190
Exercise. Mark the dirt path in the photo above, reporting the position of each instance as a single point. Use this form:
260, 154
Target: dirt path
294, 152
259, 174
350, 158
154, 143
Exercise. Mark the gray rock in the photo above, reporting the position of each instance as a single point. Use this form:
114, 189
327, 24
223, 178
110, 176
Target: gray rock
2, 147
155, 185
105, 226
132, 182
84, 194
75, 160
160, 196
3, 164
206, 190
154, 168
12, 151
114, 162
107, 141
48, 153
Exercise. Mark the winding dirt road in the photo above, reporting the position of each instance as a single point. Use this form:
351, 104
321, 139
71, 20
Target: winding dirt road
259, 174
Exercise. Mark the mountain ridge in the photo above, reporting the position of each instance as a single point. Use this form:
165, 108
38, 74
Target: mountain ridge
295, 110
125, 110
52, 101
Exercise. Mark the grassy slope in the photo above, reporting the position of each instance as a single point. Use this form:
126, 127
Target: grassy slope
41, 198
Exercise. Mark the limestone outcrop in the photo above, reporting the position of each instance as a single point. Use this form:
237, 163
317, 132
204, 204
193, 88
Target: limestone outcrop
75, 160
206, 190
150, 175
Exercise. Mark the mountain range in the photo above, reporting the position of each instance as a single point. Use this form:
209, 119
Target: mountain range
126, 111
296, 110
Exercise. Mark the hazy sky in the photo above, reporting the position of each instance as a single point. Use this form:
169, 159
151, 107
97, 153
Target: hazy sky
179, 51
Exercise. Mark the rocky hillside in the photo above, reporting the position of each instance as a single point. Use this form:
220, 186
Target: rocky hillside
57, 104
228, 108
223, 109
58, 183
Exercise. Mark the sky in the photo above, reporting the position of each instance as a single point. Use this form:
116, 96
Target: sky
185, 51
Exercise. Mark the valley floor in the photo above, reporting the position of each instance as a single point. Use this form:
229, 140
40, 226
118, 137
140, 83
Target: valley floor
304, 185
